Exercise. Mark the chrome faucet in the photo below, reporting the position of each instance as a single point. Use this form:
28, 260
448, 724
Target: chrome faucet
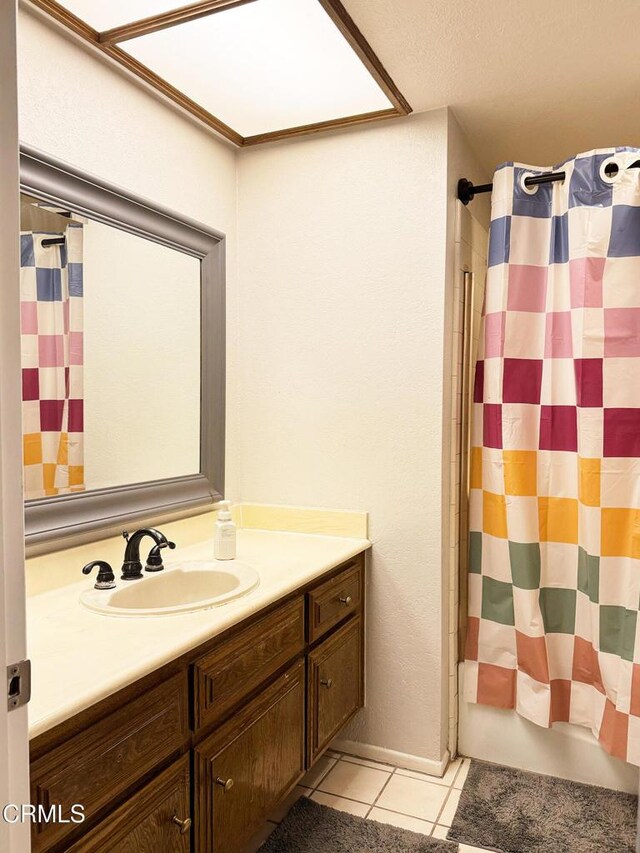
132, 567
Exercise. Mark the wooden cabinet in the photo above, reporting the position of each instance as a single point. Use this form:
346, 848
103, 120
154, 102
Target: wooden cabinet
103, 760
331, 602
157, 818
228, 729
335, 686
230, 672
249, 764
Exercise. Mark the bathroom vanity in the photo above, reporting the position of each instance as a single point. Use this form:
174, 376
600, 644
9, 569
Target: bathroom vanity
198, 752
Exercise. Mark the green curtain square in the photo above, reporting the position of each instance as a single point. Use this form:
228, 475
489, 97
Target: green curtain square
588, 574
525, 564
475, 553
497, 601
558, 608
618, 630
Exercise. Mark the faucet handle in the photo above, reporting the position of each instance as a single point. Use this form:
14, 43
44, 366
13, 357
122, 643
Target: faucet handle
154, 560
106, 579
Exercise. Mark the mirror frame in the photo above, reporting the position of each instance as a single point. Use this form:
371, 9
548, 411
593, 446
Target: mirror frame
82, 516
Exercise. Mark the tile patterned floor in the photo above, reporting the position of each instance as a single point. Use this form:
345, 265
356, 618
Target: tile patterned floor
380, 792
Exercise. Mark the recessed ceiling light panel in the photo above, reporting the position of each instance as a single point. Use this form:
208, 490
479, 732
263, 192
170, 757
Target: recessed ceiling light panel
263, 66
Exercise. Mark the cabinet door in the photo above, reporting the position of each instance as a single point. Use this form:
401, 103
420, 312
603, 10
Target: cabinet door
335, 685
154, 820
245, 767
334, 600
102, 761
240, 664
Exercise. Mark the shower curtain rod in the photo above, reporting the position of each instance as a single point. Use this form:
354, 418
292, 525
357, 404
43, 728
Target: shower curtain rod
467, 190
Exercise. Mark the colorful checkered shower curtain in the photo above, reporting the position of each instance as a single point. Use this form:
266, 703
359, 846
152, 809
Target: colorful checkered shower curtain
52, 357
554, 578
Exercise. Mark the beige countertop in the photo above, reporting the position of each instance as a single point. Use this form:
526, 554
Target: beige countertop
79, 657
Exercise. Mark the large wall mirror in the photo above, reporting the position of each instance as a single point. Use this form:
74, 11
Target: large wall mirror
122, 348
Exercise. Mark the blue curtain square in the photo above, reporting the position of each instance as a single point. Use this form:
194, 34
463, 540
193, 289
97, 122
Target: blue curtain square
48, 285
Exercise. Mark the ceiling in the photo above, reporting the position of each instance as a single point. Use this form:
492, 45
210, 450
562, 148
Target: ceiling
252, 70
529, 81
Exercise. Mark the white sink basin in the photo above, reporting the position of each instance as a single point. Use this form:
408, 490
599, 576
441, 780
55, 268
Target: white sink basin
179, 588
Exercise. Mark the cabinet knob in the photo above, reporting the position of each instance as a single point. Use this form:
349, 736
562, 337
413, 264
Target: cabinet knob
226, 784
185, 825
326, 682
346, 599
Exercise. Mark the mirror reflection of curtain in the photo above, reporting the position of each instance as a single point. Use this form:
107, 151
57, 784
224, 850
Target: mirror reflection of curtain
51, 284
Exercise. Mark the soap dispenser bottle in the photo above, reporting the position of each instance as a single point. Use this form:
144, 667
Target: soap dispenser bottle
224, 543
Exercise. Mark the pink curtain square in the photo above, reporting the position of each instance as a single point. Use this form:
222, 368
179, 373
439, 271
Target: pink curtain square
586, 282
75, 348
621, 432
51, 350
532, 657
492, 425
496, 686
478, 383
558, 428
522, 380
622, 332
635, 691
585, 664
51, 414
560, 701
494, 334
76, 416
29, 318
614, 731
527, 288
30, 383
588, 382
558, 342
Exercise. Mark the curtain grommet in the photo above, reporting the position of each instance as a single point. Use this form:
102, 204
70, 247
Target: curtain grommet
529, 190
613, 176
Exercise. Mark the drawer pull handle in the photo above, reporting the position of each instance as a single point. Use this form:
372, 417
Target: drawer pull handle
326, 682
185, 825
226, 784
345, 599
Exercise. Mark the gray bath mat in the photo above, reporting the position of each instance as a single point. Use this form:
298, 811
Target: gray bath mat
518, 812
312, 828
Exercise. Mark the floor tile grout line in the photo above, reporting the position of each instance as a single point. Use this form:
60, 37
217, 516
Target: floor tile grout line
351, 799
380, 793
446, 800
392, 772
336, 761
459, 770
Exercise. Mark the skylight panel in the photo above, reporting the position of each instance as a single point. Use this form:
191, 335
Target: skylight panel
261, 67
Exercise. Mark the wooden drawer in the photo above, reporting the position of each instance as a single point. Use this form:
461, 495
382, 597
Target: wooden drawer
259, 754
156, 819
104, 759
335, 599
239, 665
335, 686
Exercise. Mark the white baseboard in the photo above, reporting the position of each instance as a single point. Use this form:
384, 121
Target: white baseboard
390, 756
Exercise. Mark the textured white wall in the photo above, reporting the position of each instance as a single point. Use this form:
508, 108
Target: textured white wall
336, 327
340, 335
82, 109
